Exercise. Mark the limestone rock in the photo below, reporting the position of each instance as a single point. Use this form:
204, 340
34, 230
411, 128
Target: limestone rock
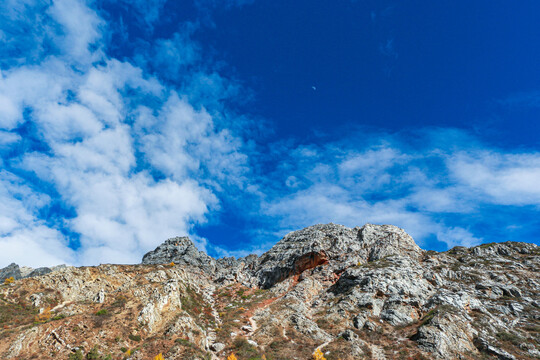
447, 334
180, 250
217, 347
12, 270
336, 246
363, 292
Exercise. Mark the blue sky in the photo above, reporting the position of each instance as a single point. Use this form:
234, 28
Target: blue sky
123, 123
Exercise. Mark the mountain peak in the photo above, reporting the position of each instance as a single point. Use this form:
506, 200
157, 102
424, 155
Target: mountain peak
180, 250
364, 292
334, 245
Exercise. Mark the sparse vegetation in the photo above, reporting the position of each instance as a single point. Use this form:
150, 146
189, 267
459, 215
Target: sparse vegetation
119, 302
136, 338
509, 337
77, 355
181, 330
15, 313
485, 246
43, 316
244, 349
93, 354
59, 317
318, 355
9, 280
441, 309
183, 342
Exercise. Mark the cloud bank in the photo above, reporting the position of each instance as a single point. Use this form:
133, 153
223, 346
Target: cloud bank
101, 161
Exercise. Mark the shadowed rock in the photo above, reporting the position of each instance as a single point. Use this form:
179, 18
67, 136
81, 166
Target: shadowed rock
12, 270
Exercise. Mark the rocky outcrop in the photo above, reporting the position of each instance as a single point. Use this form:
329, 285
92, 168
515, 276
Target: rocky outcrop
180, 250
12, 270
230, 270
337, 246
366, 292
334, 245
447, 332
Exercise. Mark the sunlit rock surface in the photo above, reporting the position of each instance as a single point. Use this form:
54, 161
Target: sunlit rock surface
354, 293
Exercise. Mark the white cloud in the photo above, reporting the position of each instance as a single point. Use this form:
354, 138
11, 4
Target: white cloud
508, 179
174, 54
181, 140
323, 203
79, 29
458, 237
93, 159
139, 215
430, 192
371, 169
134, 161
24, 238
10, 115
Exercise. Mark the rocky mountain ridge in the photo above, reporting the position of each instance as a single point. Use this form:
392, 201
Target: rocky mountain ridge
345, 293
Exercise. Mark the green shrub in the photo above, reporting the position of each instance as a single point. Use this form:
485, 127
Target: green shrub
512, 338
119, 302
59, 317
135, 337
439, 310
77, 355
93, 354
243, 349
102, 312
183, 342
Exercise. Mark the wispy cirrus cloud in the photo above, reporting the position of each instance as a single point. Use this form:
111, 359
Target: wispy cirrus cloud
499, 178
437, 191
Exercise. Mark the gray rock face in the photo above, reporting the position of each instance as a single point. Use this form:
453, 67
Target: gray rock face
12, 270
447, 334
336, 245
486, 347
230, 270
180, 250
306, 249
39, 271
503, 249
380, 241
363, 292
